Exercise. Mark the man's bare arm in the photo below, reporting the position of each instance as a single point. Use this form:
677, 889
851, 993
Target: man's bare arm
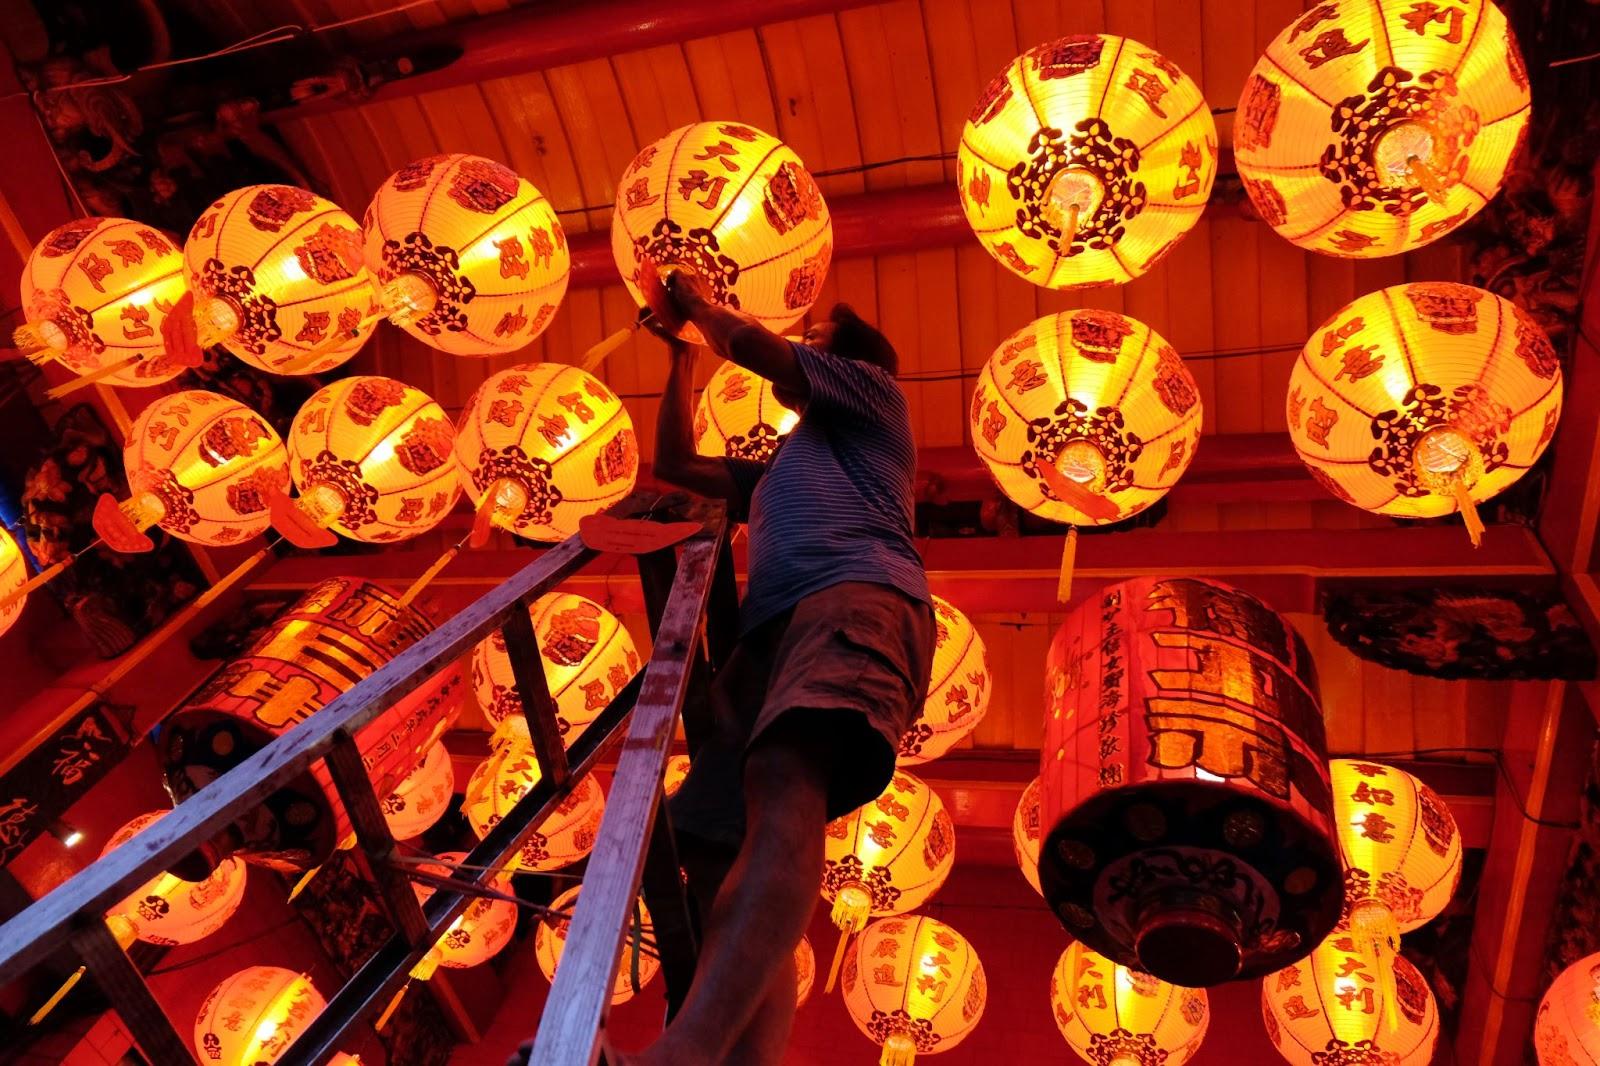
736, 336
676, 460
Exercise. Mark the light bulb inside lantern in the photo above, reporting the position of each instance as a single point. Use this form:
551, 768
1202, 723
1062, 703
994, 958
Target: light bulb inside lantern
510, 498
1072, 196
851, 907
1126, 1060
1446, 456
324, 503
1082, 462
216, 318
1403, 156
407, 297
266, 1030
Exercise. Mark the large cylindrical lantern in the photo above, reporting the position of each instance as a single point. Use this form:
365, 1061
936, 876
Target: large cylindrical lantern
913, 985
1184, 741
550, 940
422, 796
1101, 398
13, 575
95, 291
1329, 1008
1372, 129
958, 691
342, 630
587, 654
168, 910
373, 459
502, 779
739, 417
543, 446
734, 205
1113, 1016
1085, 161
1422, 399
204, 467
279, 280
1565, 1032
477, 934
252, 1018
890, 855
471, 256
1025, 833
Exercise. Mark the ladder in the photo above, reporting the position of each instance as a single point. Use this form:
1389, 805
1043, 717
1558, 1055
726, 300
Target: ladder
691, 600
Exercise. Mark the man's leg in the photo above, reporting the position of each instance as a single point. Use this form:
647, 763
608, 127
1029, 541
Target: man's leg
743, 990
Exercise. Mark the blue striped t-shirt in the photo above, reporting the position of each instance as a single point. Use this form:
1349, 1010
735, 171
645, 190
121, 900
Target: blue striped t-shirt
835, 503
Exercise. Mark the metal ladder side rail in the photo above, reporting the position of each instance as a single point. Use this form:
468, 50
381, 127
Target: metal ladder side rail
73, 914
635, 836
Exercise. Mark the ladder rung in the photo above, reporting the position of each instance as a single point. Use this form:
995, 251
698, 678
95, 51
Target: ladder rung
373, 836
533, 689
110, 968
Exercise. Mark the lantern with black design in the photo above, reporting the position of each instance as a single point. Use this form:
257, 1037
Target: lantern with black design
338, 633
1187, 816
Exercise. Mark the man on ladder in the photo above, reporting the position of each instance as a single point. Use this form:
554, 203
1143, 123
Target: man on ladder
833, 661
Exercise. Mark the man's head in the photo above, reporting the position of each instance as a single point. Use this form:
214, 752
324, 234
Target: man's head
847, 335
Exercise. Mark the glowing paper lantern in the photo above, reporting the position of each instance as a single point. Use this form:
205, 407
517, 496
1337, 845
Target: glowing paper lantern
1402, 850
1097, 395
338, 633
550, 940
204, 467
1183, 720
588, 657
958, 692
677, 771
279, 280
805, 971
1329, 1008
739, 417
1115, 1016
251, 1018
422, 796
504, 778
477, 935
1371, 129
472, 257
1565, 1032
734, 205
1085, 161
169, 910
1422, 399
13, 575
913, 985
95, 292
543, 446
372, 459
1025, 833
889, 856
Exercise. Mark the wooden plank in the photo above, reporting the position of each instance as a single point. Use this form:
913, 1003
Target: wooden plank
373, 835
533, 689
568, 1033
125, 987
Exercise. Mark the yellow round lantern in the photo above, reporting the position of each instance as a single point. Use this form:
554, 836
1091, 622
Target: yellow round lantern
588, 657
204, 467
471, 256
95, 291
1401, 848
890, 855
1115, 1016
1025, 834
251, 1018
504, 778
1422, 399
677, 773
279, 279
1329, 1008
1085, 161
736, 206
1098, 397
13, 575
372, 458
550, 940
958, 692
422, 796
1566, 1031
805, 971
739, 417
543, 446
1375, 128
477, 935
913, 985
167, 909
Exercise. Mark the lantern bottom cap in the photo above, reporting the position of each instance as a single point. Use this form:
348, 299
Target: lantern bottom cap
1190, 944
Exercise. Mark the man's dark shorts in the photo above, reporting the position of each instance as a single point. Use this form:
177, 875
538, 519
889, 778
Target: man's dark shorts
849, 664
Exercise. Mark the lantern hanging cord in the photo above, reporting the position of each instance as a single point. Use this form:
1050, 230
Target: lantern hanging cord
1500, 765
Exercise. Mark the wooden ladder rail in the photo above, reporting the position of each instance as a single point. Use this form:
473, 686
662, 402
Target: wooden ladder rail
73, 913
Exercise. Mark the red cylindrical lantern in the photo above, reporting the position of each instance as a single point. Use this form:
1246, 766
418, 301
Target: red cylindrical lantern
339, 632
1188, 822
